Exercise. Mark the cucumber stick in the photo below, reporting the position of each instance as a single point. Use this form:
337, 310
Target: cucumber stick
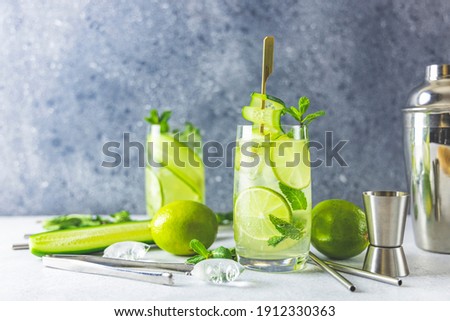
89, 239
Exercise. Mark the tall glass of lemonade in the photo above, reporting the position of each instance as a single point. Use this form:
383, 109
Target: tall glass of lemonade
272, 198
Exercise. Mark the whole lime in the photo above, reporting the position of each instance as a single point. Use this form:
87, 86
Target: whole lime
339, 229
176, 224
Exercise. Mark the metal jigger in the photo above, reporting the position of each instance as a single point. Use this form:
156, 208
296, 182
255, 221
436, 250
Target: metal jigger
386, 216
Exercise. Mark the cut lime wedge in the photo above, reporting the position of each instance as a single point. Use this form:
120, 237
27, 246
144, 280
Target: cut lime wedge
251, 217
178, 158
290, 162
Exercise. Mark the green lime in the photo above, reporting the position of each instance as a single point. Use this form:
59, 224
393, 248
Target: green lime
251, 216
176, 224
178, 158
339, 229
290, 162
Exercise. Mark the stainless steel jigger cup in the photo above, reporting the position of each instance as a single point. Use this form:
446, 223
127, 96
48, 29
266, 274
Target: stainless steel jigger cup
386, 216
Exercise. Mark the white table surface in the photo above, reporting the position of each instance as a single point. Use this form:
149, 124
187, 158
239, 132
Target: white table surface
24, 278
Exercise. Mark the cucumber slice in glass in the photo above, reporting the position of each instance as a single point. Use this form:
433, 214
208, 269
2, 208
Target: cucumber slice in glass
271, 101
179, 159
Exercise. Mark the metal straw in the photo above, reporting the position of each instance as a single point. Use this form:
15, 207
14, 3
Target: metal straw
332, 272
364, 274
21, 246
179, 267
157, 277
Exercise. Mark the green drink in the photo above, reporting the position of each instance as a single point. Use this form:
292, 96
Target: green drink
272, 198
174, 169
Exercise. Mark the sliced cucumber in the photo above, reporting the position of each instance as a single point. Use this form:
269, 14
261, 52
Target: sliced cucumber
89, 239
154, 197
268, 117
179, 158
271, 101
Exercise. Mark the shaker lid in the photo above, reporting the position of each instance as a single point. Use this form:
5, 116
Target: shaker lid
434, 94
435, 72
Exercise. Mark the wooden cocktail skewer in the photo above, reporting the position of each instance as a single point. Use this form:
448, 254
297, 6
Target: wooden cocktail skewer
267, 67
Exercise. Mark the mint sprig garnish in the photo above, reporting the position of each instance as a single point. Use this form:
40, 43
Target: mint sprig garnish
189, 135
203, 253
296, 197
299, 113
162, 120
286, 229
70, 221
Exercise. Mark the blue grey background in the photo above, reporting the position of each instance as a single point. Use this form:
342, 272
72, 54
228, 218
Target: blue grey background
76, 74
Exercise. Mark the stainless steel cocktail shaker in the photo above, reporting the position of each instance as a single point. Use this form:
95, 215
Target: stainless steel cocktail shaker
427, 155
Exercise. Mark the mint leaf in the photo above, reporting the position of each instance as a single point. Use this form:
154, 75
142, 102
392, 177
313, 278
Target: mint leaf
199, 248
195, 259
293, 112
299, 114
188, 130
221, 253
225, 218
308, 119
122, 216
162, 121
69, 221
303, 105
189, 136
153, 117
295, 197
275, 240
285, 228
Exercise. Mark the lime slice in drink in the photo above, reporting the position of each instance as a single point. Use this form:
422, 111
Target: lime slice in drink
249, 156
251, 216
153, 192
290, 162
178, 158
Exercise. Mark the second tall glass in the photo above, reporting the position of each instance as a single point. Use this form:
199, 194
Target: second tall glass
174, 169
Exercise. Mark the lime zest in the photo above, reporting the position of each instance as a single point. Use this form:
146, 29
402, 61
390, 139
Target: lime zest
286, 229
295, 196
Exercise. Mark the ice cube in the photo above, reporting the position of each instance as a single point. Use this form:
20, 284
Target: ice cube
129, 250
217, 271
